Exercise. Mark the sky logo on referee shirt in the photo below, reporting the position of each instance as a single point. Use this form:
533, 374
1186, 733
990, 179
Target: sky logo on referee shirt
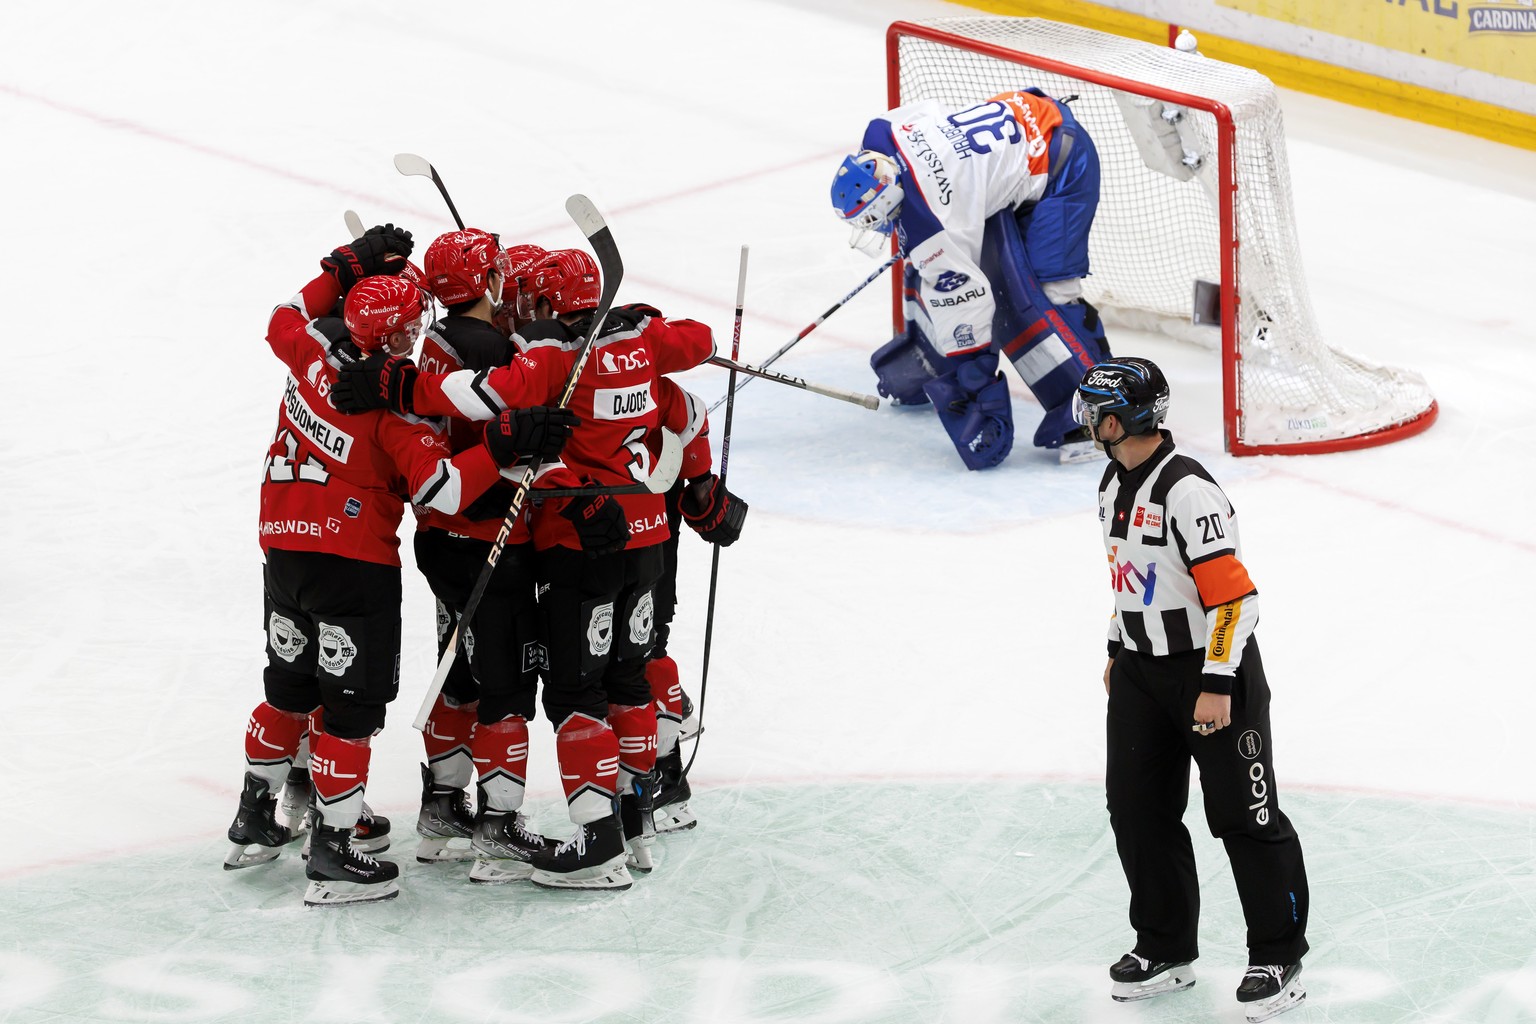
1124, 577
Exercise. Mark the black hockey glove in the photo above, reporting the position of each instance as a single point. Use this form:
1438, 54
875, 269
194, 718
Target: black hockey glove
546, 331
600, 523
536, 433
713, 511
381, 381
640, 308
380, 250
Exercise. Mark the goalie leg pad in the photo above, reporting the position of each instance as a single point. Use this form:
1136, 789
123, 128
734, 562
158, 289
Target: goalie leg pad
977, 412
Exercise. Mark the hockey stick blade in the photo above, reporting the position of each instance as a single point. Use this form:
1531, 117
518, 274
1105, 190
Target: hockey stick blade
852, 397
411, 165
354, 223
663, 475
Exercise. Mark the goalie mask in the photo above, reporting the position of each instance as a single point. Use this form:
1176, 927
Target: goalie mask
384, 312
866, 193
1132, 390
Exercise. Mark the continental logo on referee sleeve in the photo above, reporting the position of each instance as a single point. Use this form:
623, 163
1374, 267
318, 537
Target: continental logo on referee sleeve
622, 403
1221, 636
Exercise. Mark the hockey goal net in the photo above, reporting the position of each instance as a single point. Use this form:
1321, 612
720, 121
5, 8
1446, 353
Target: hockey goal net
1195, 188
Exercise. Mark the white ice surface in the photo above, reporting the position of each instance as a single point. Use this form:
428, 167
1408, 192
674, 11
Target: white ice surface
176, 169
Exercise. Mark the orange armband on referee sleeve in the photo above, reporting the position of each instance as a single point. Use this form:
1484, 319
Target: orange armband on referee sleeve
1220, 580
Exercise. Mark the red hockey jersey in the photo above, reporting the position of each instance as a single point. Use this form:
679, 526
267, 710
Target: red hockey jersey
617, 398
338, 484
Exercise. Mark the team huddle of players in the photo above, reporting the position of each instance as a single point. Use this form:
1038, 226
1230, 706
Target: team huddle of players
575, 614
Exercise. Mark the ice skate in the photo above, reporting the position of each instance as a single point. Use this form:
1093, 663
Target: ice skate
296, 791
1078, 447
444, 818
371, 833
1270, 990
635, 814
671, 813
504, 847
340, 873
1137, 978
593, 858
255, 834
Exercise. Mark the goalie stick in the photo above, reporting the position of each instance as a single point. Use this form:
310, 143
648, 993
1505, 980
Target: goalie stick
725, 456
853, 397
591, 223
412, 165
811, 327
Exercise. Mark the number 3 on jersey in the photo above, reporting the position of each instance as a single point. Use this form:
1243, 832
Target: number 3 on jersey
283, 469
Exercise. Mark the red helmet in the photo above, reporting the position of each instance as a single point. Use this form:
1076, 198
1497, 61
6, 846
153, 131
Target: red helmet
415, 275
458, 264
378, 308
516, 264
569, 279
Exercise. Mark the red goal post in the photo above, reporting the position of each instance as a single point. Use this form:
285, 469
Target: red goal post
1195, 188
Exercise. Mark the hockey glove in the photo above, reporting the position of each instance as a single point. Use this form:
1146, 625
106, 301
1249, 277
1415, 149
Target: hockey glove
600, 523
381, 381
640, 309
713, 511
536, 433
378, 251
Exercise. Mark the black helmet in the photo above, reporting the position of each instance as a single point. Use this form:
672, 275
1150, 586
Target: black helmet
1134, 390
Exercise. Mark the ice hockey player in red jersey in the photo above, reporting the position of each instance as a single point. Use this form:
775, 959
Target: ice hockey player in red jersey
478, 726
598, 557
332, 497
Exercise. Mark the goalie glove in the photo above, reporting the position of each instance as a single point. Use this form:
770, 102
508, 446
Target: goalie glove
713, 511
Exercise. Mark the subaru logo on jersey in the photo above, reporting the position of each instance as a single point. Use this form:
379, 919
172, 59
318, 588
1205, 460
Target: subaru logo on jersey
353, 508
622, 403
950, 280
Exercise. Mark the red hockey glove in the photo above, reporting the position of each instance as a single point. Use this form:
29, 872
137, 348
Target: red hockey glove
381, 381
600, 523
713, 511
536, 433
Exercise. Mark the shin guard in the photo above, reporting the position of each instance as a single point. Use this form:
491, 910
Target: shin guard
338, 769
635, 728
667, 694
272, 742
449, 733
588, 753
501, 763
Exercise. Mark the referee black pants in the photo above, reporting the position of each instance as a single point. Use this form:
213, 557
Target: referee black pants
1150, 746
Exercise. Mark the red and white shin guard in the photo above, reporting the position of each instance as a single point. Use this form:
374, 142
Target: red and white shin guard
501, 763
272, 742
338, 769
667, 693
636, 729
448, 737
588, 753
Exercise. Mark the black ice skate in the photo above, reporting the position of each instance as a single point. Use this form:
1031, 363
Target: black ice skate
444, 817
504, 847
255, 833
1136, 978
1270, 990
635, 814
371, 833
340, 873
593, 858
671, 812
296, 794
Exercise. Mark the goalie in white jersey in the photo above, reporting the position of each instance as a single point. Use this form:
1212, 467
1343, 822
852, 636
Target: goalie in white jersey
991, 206
1185, 682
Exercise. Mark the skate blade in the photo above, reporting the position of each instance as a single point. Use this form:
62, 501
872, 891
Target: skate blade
637, 856
1292, 996
1175, 979
674, 818
335, 894
494, 871
689, 728
612, 875
377, 844
244, 855
437, 850
1079, 451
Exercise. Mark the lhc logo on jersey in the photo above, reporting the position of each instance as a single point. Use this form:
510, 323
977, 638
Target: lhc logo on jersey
600, 630
949, 281
641, 621
1124, 576
337, 651
285, 638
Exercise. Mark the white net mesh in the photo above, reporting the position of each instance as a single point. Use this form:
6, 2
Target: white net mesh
1155, 236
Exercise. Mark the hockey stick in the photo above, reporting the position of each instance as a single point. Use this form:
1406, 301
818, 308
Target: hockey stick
354, 223
663, 475
854, 397
814, 324
595, 228
412, 165
725, 457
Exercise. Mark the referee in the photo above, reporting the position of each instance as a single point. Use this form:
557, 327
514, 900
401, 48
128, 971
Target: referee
1185, 682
